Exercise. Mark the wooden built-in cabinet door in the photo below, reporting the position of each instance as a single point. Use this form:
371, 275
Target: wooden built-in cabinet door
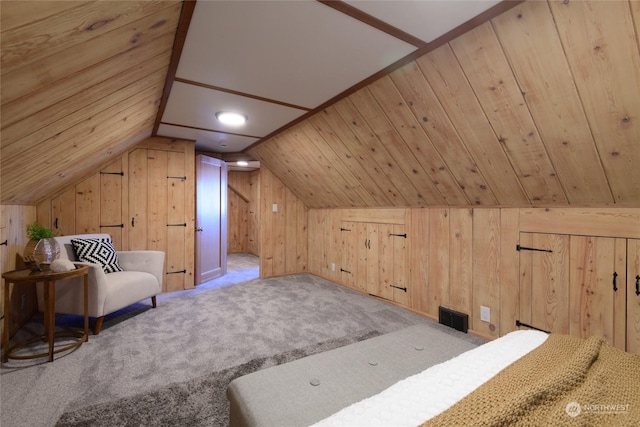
111, 221
176, 221
544, 281
63, 213
597, 288
157, 202
374, 259
385, 261
400, 283
392, 273
633, 295
88, 205
157, 211
350, 256
138, 190
362, 257
574, 285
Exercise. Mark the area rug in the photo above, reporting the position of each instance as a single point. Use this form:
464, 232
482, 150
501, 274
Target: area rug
198, 402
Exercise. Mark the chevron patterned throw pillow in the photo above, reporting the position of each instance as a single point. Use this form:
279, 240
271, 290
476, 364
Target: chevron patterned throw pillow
97, 251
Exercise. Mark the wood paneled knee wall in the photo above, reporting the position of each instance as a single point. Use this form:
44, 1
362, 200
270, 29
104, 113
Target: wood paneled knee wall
464, 258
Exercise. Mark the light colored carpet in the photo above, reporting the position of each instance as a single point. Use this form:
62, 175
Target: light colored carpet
219, 325
200, 402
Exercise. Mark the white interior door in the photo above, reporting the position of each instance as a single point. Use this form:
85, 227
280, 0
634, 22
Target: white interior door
211, 218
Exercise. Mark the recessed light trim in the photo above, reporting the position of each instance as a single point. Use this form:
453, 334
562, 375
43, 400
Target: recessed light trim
230, 118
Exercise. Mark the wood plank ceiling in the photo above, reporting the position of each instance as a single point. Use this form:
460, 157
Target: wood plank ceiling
538, 106
81, 82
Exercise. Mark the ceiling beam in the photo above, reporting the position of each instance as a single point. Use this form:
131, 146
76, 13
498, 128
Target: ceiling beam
188, 7
374, 22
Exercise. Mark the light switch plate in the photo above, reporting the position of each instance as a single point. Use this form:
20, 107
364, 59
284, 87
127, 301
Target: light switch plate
485, 313
274, 207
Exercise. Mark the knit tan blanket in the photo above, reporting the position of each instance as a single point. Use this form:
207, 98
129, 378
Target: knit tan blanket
565, 381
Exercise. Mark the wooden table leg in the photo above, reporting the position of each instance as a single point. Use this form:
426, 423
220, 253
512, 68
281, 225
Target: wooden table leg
5, 323
50, 314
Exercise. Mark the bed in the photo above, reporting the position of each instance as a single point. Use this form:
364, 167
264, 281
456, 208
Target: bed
523, 378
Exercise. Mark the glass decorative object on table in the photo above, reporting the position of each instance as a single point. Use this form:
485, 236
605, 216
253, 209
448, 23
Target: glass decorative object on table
39, 254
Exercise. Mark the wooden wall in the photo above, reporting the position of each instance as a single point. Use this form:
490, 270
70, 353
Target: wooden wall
283, 228
243, 212
13, 230
238, 211
463, 258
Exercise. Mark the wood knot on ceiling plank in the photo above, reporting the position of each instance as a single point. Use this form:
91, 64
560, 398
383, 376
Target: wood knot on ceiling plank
159, 24
99, 24
137, 36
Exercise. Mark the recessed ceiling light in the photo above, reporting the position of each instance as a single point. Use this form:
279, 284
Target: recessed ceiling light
230, 118
242, 163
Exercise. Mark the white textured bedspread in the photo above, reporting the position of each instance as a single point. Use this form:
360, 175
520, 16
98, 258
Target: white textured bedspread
416, 399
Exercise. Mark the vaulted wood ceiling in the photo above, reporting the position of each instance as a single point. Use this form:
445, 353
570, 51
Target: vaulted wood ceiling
81, 82
538, 106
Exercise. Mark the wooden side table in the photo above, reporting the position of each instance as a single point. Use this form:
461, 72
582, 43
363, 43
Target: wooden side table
48, 278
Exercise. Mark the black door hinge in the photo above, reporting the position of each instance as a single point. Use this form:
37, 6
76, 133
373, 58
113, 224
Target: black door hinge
524, 248
399, 235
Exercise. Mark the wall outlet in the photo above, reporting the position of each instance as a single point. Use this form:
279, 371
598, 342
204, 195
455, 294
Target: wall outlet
333, 266
274, 207
485, 314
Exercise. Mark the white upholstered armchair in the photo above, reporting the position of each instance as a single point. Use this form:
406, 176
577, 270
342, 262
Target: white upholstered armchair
140, 278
